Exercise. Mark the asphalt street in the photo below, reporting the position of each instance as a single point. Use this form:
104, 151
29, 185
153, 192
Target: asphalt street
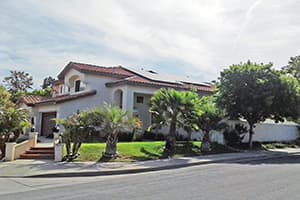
271, 179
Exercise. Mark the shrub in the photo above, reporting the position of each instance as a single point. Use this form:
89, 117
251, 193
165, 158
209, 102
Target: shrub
235, 136
125, 136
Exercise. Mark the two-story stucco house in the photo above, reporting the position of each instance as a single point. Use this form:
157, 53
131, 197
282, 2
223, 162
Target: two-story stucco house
84, 86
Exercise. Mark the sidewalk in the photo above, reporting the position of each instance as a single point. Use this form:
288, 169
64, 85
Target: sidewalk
47, 168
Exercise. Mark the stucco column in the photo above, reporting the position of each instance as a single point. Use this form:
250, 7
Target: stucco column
33, 136
128, 100
10, 148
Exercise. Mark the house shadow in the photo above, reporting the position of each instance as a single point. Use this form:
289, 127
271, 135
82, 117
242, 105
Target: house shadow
150, 154
281, 158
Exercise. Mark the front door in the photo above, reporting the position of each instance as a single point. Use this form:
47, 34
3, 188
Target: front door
48, 123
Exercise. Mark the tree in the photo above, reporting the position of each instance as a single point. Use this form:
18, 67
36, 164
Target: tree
48, 82
47, 92
209, 119
76, 129
256, 92
17, 83
174, 109
12, 120
293, 67
114, 122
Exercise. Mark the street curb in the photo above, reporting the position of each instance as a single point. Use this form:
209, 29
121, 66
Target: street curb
153, 169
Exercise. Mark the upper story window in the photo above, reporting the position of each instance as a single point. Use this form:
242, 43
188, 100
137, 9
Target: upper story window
61, 89
77, 86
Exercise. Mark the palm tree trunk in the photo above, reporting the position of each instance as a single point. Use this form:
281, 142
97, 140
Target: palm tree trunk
171, 139
111, 146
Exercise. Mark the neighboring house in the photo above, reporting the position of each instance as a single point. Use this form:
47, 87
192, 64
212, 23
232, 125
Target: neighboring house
83, 86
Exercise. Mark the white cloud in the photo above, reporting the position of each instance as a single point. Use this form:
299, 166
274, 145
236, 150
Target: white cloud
197, 38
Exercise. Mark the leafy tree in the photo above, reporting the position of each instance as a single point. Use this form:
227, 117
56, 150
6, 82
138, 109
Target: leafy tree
174, 109
293, 67
256, 92
12, 120
77, 127
209, 120
47, 92
17, 83
48, 82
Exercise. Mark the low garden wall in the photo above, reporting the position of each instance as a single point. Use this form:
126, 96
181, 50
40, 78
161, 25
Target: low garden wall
14, 150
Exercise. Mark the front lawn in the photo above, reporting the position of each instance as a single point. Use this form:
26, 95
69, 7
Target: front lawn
137, 151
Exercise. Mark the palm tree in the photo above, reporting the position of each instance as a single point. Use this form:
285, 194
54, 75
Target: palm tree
175, 109
209, 120
115, 121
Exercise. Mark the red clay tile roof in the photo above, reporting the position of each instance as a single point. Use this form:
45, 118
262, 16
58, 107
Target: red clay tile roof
118, 71
37, 100
127, 76
136, 80
30, 99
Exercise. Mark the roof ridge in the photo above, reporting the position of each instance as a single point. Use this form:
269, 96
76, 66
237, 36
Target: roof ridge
93, 65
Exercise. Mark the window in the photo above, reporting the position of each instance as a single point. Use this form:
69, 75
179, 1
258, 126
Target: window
61, 89
121, 100
139, 99
77, 86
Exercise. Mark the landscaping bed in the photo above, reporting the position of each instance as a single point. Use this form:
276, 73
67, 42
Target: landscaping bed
137, 151
140, 151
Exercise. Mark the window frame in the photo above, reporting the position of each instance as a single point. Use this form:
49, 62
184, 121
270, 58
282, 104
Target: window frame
140, 99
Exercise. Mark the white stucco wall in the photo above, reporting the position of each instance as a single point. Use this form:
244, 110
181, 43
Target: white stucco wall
274, 133
104, 94
269, 131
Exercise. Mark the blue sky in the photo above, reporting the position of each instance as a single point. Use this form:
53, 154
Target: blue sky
196, 38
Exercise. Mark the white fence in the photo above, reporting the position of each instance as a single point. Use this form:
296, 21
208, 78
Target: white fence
267, 131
